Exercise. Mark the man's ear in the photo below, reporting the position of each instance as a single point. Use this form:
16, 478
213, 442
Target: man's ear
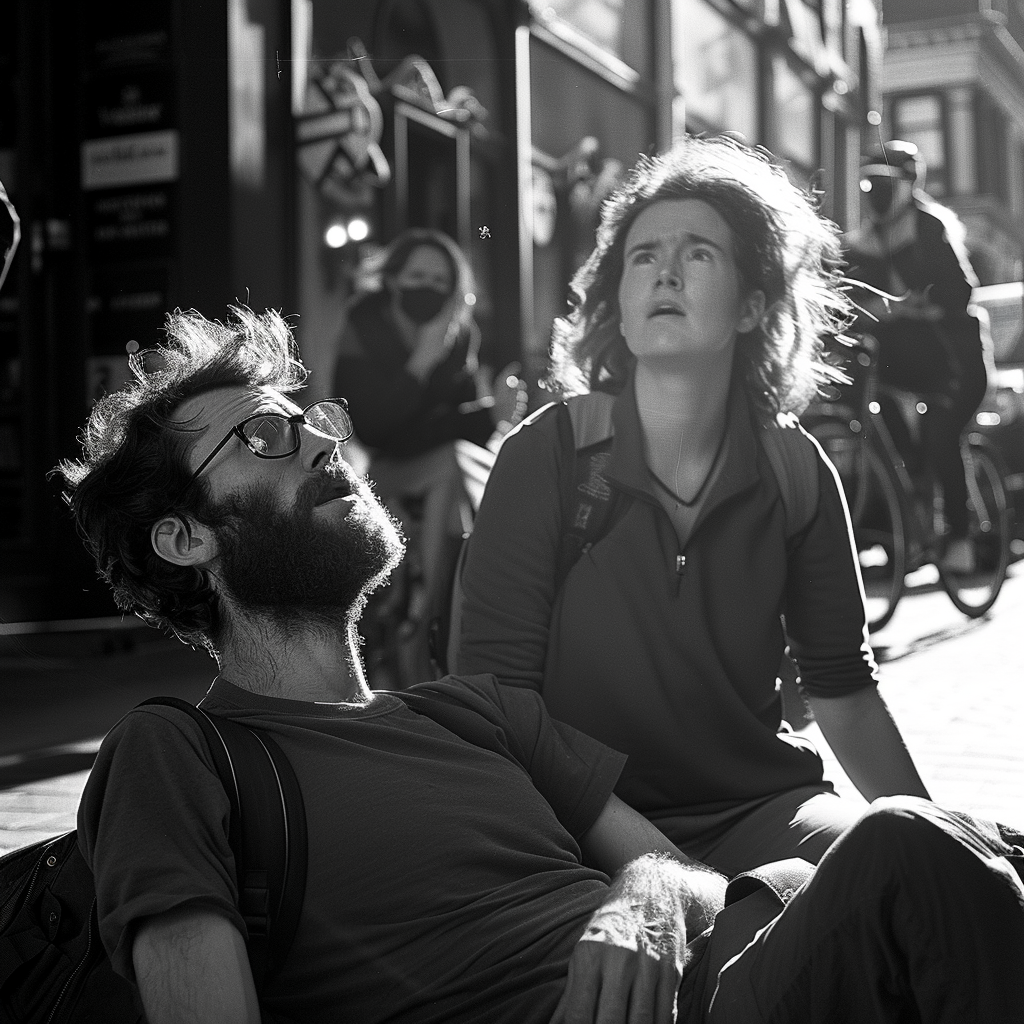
751, 311
183, 542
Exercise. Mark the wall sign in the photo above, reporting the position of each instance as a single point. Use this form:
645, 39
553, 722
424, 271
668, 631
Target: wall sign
141, 158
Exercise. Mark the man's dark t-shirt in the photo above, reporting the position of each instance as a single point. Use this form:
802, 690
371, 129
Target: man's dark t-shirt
445, 881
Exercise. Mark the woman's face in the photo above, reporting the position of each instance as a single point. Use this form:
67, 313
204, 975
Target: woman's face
681, 294
426, 267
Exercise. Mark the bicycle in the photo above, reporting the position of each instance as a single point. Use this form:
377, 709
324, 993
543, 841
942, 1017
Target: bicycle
896, 509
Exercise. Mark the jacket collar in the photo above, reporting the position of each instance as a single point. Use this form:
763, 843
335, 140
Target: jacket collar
627, 465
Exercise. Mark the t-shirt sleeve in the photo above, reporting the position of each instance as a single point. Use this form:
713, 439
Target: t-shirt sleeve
153, 826
573, 772
825, 618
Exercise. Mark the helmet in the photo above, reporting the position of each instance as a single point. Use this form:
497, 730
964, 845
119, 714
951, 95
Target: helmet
896, 159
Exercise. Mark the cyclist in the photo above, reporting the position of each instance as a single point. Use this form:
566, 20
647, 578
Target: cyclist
912, 248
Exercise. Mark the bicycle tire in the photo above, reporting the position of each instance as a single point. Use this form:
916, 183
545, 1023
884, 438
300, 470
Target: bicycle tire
881, 527
878, 518
989, 529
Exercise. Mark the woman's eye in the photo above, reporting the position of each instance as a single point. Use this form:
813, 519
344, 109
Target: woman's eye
701, 255
643, 258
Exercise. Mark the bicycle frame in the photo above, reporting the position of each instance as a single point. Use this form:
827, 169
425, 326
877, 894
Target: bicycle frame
877, 470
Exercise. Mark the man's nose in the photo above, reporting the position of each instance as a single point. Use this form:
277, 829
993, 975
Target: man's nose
316, 449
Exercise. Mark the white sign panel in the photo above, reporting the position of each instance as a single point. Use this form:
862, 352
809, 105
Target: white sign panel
141, 159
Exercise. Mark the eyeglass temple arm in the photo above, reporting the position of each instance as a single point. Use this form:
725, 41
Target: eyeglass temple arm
220, 444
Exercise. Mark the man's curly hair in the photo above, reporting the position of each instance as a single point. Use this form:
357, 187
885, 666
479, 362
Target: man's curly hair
783, 247
135, 469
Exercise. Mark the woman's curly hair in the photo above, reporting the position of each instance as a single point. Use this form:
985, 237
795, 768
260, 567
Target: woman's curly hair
135, 468
783, 246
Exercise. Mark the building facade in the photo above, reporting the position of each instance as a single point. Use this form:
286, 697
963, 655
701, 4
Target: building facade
953, 83
175, 154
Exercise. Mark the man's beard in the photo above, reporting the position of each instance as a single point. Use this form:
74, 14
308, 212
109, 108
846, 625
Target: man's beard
297, 569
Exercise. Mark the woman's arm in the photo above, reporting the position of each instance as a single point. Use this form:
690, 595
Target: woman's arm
395, 411
867, 743
508, 581
828, 636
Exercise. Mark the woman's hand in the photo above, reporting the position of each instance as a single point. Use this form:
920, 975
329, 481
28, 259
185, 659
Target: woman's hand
433, 340
510, 397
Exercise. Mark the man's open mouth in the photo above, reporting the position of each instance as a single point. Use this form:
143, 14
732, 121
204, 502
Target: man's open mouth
339, 488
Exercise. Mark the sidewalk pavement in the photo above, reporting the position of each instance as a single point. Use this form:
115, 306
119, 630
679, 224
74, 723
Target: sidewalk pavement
956, 690
60, 694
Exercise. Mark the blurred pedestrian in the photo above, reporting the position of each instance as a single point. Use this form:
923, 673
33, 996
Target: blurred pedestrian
408, 361
701, 310
912, 248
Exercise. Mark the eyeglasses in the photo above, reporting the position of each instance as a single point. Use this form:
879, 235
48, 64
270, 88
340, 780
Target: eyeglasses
272, 435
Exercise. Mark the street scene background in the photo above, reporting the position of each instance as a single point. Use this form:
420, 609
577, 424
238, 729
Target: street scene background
173, 154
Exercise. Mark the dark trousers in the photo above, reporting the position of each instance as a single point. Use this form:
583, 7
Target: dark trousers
948, 364
915, 915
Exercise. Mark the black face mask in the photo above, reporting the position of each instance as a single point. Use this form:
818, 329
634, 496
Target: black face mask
421, 305
881, 195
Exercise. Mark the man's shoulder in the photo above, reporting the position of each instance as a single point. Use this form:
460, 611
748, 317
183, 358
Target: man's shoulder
505, 719
150, 720
481, 693
148, 740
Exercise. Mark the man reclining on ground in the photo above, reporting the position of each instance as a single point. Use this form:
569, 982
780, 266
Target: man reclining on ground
453, 876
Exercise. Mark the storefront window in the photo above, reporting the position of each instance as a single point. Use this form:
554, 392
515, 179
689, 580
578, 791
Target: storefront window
715, 71
618, 27
795, 110
919, 119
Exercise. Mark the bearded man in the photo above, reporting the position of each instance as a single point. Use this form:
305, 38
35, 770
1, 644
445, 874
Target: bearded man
455, 874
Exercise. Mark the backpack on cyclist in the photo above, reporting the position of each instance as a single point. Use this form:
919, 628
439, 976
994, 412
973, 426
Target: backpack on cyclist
591, 506
53, 967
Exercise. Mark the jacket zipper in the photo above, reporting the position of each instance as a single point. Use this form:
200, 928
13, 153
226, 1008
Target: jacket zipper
78, 967
28, 891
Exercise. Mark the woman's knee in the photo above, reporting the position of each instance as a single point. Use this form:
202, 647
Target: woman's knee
908, 821
927, 845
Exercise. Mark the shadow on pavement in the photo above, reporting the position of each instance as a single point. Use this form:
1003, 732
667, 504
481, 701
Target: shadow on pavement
896, 652
33, 769
71, 689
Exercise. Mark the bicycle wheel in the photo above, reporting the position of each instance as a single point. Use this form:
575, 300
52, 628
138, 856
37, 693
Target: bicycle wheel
988, 530
879, 525
880, 535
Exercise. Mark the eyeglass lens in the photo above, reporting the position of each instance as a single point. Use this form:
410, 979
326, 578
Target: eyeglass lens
330, 419
273, 434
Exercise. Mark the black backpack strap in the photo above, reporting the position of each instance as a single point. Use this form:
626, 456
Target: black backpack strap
794, 460
266, 830
590, 505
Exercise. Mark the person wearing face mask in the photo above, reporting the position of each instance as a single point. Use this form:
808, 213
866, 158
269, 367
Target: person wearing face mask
912, 248
408, 360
